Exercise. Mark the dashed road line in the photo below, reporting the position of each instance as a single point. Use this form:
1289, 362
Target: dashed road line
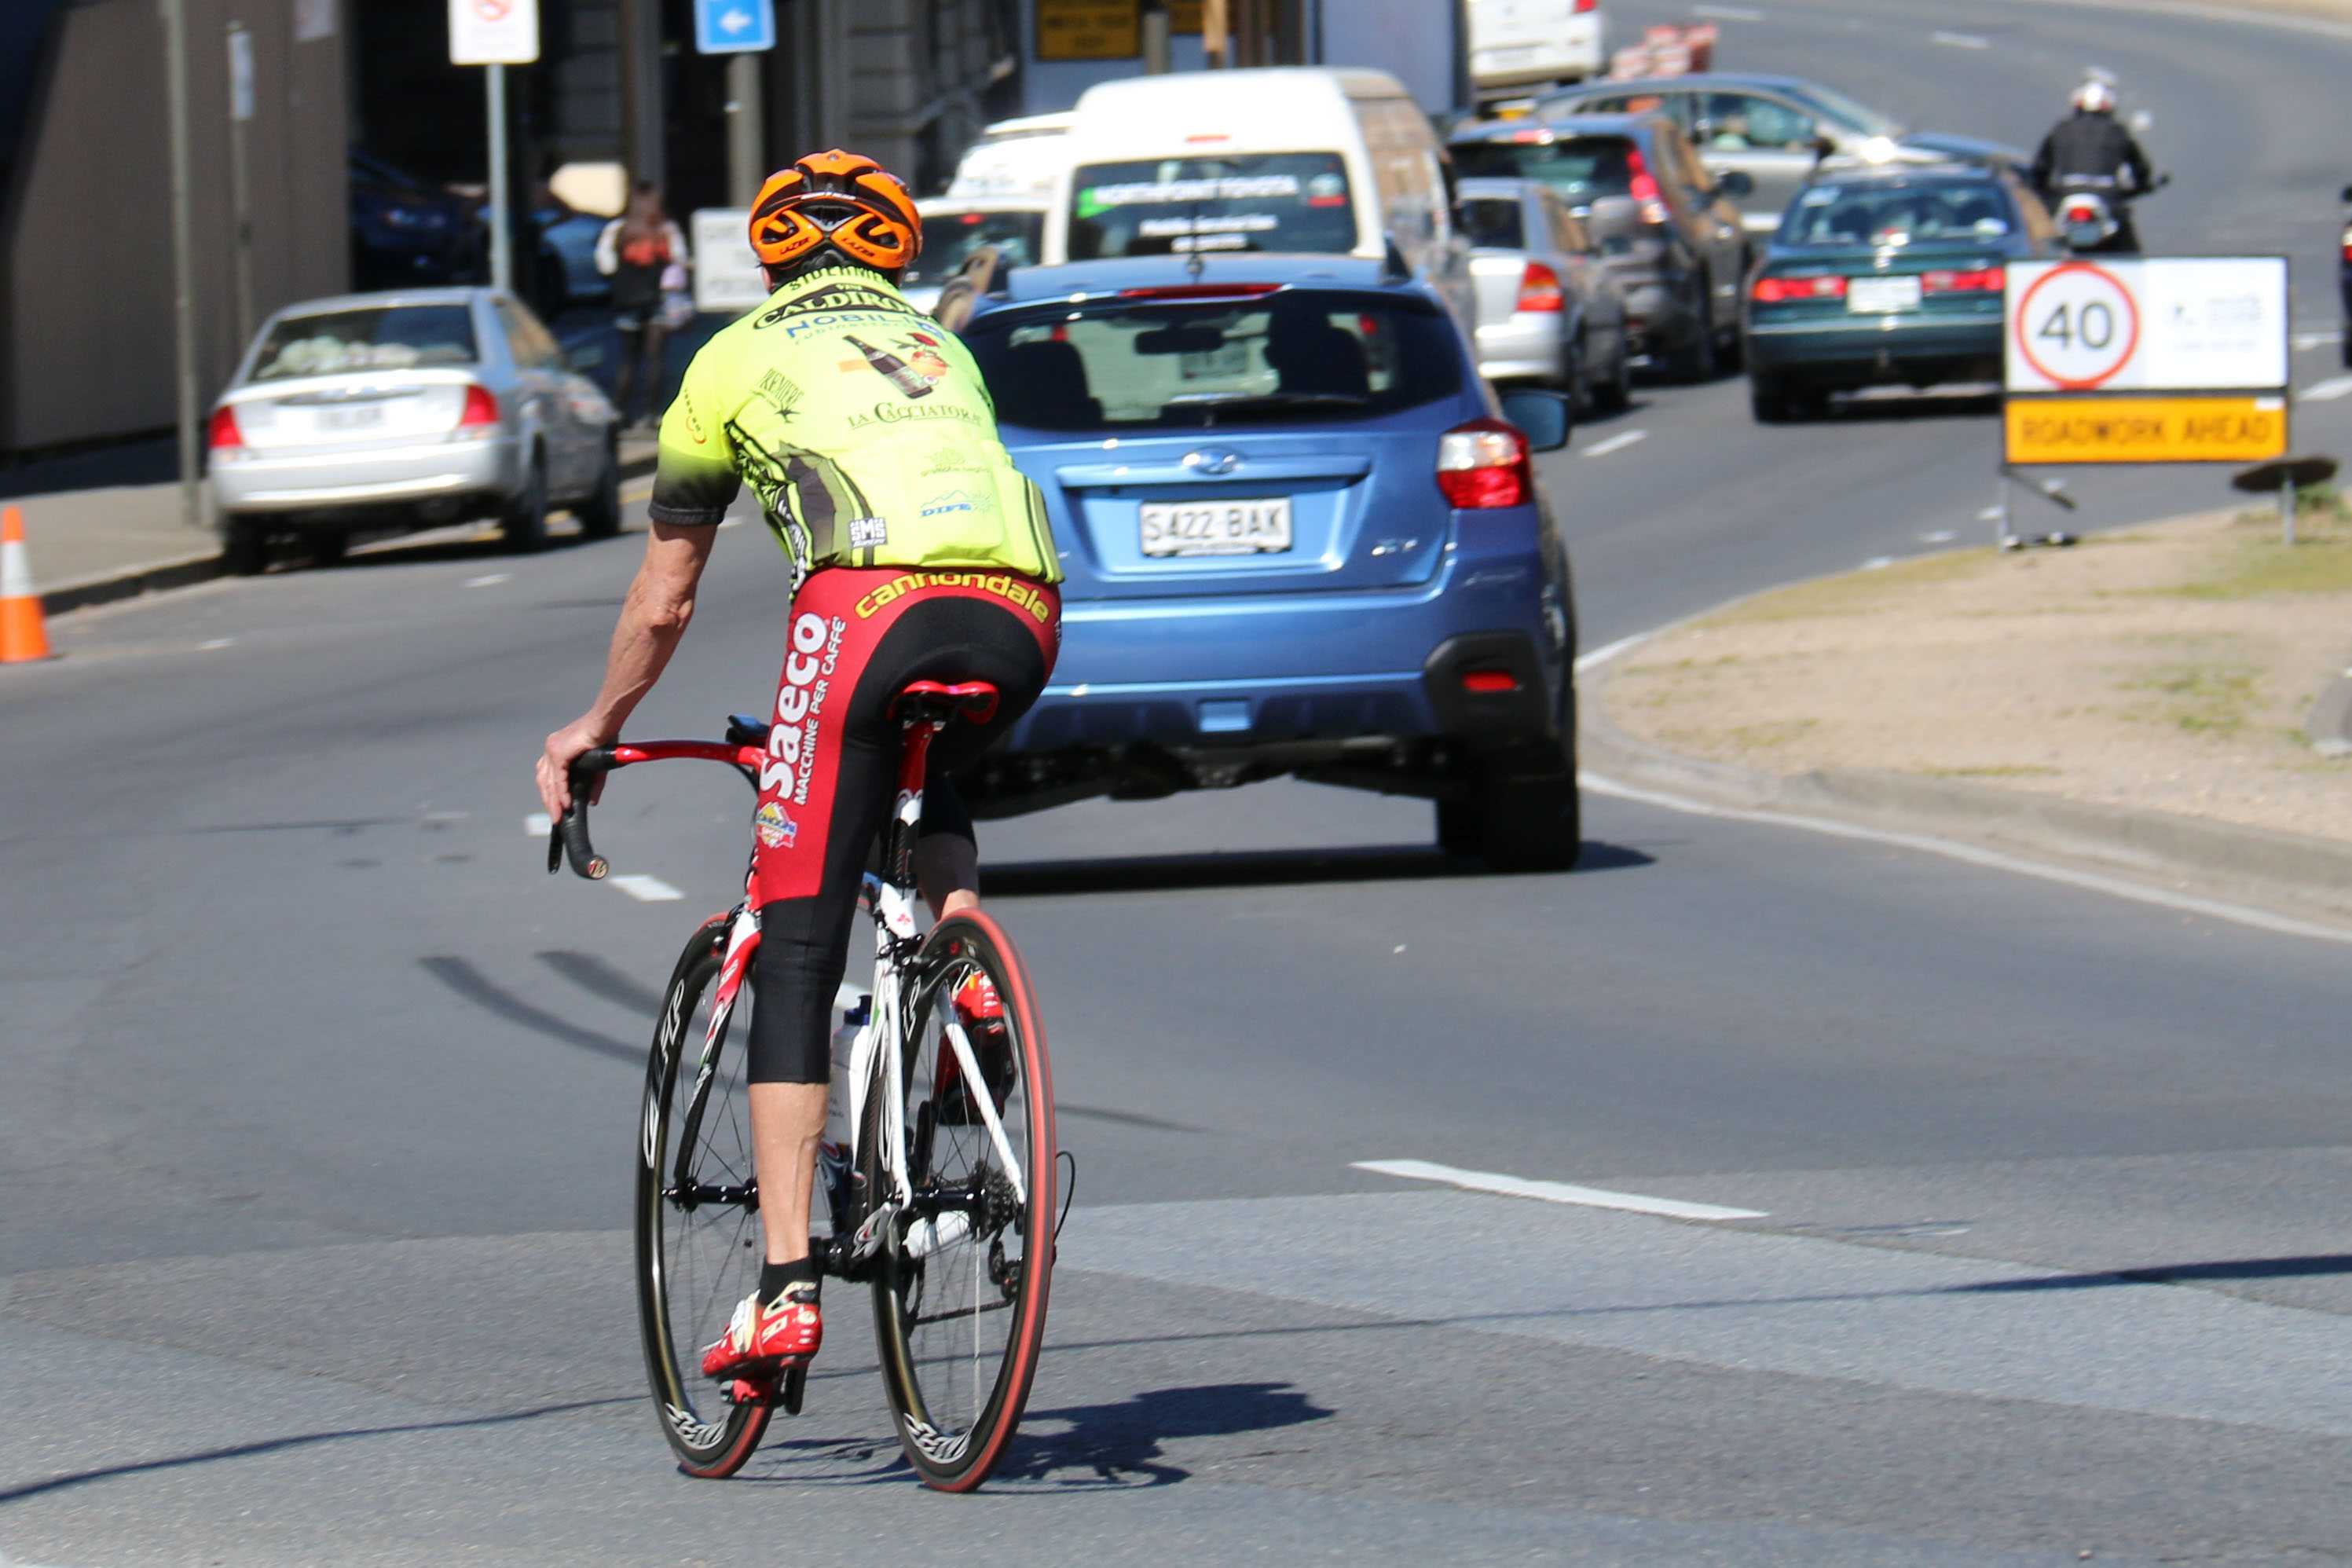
1552, 1192
1728, 13
1960, 40
215, 644
647, 889
2327, 391
489, 579
1946, 535
1616, 443
1878, 564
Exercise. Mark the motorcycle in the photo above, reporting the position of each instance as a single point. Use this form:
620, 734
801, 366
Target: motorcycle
2091, 218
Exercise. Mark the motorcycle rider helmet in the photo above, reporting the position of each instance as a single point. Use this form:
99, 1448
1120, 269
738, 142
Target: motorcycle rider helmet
835, 205
2095, 97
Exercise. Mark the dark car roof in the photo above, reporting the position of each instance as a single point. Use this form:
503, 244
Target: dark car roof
1560, 125
1076, 280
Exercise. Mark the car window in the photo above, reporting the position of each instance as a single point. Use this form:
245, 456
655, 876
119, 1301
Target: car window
1579, 167
1301, 358
1898, 213
529, 341
1858, 117
1274, 201
1739, 122
949, 238
378, 337
1493, 221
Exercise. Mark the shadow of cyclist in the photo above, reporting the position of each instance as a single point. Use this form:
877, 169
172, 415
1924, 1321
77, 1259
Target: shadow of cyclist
1120, 1445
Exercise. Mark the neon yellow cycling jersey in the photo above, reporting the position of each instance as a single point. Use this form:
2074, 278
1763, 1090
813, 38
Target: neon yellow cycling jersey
863, 429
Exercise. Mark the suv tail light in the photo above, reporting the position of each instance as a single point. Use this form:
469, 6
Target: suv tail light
1540, 290
2348, 243
1584, 5
1783, 290
1979, 281
480, 417
222, 434
1483, 464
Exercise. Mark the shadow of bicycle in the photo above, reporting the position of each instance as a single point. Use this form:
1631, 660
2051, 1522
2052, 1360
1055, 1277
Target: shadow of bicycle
1124, 1444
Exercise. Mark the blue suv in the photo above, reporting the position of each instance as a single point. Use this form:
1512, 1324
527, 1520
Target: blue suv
1298, 540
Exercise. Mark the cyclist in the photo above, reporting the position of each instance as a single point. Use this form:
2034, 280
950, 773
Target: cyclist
917, 552
2088, 151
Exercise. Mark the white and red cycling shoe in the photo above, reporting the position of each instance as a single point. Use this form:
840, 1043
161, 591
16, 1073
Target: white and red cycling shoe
763, 1337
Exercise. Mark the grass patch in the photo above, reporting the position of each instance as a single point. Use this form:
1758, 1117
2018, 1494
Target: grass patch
2320, 561
2209, 699
1994, 771
1857, 592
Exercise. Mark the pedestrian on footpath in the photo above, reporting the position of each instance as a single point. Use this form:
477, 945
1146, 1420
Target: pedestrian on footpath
644, 253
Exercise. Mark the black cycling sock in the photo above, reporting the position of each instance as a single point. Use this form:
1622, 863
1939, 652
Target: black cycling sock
775, 1278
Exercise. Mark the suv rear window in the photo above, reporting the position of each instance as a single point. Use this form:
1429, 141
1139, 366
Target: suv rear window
1579, 167
949, 238
375, 337
1273, 201
1297, 358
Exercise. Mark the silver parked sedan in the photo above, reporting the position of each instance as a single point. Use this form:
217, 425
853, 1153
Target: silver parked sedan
373, 411
1550, 310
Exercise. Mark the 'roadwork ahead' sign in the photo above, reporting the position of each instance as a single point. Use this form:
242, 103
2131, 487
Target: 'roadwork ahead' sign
2085, 338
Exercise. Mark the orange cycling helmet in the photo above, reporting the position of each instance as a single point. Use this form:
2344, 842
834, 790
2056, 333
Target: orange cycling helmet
842, 200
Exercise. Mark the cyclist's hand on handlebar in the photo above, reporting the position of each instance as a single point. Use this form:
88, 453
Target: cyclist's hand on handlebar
563, 748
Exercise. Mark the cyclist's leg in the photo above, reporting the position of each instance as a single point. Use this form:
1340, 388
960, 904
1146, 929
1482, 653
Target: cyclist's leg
946, 856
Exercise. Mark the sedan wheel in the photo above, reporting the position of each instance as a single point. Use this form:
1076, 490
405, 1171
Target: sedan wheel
524, 525
1696, 361
600, 514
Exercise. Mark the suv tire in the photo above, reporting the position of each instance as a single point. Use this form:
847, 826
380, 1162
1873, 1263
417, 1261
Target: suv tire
245, 546
1523, 811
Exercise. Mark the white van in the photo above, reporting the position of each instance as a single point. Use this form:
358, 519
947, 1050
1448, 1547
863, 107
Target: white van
1290, 159
1015, 160
1521, 47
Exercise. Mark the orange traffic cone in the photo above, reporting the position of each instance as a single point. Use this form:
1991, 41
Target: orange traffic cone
24, 635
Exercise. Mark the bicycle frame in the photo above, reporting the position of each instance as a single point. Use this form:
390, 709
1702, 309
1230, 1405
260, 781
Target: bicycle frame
890, 899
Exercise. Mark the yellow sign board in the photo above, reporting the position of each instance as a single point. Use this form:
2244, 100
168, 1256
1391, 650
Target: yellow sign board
2247, 428
1090, 29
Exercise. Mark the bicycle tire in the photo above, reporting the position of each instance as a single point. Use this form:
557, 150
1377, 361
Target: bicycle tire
711, 1437
950, 1454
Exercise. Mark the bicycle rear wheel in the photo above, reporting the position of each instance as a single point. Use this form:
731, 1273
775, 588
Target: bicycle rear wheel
697, 1221
961, 1285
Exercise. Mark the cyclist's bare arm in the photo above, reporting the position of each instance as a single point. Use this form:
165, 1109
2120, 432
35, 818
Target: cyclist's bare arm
654, 616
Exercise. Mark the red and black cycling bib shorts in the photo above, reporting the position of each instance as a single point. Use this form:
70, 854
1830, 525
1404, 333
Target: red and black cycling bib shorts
859, 636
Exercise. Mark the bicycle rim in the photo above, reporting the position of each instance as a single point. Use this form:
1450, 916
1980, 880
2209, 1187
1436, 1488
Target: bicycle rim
959, 1329
696, 1254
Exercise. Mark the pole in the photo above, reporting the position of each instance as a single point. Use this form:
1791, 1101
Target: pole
2286, 509
240, 184
746, 129
502, 237
1158, 58
183, 256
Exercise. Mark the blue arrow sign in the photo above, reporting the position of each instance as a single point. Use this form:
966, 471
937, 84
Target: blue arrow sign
734, 26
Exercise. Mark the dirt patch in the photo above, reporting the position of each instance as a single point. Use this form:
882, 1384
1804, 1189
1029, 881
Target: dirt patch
2169, 667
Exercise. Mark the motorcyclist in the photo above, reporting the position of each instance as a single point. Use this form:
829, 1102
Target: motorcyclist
2088, 151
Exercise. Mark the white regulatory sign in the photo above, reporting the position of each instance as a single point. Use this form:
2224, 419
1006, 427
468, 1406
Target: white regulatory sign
727, 277
493, 32
2147, 324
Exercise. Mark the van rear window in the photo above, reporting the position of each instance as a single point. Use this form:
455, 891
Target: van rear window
1158, 207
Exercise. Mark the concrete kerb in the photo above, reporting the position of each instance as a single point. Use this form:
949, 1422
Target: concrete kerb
2330, 725
201, 565
2288, 872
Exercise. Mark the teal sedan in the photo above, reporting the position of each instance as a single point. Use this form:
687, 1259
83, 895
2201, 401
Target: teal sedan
1886, 275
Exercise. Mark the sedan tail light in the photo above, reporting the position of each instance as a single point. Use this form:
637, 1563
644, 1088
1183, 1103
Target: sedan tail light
1584, 5
222, 434
479, 420
1540, 290
1783, 290
1483, 464
2347, 244
1979, 281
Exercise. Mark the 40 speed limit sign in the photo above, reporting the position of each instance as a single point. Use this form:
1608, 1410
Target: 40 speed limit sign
2101, 358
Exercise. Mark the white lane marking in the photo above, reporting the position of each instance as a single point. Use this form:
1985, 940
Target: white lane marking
1941, 536
1551, 1192
1960, 40
2307, 340
2187, 904
2327, 391
1989, 514
1608, 651
489, 579
647, 889
536, 825
213, 644
1728, 13
1878, 564
1616, 443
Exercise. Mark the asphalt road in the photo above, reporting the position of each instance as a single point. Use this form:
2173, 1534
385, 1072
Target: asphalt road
319, 1095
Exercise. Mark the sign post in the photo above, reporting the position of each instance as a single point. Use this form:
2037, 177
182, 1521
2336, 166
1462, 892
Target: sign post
496, 34
2143, 360
743, 28
727, 279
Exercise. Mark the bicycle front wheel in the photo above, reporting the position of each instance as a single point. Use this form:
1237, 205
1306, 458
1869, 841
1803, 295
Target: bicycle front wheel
697, 1221
961, 1285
